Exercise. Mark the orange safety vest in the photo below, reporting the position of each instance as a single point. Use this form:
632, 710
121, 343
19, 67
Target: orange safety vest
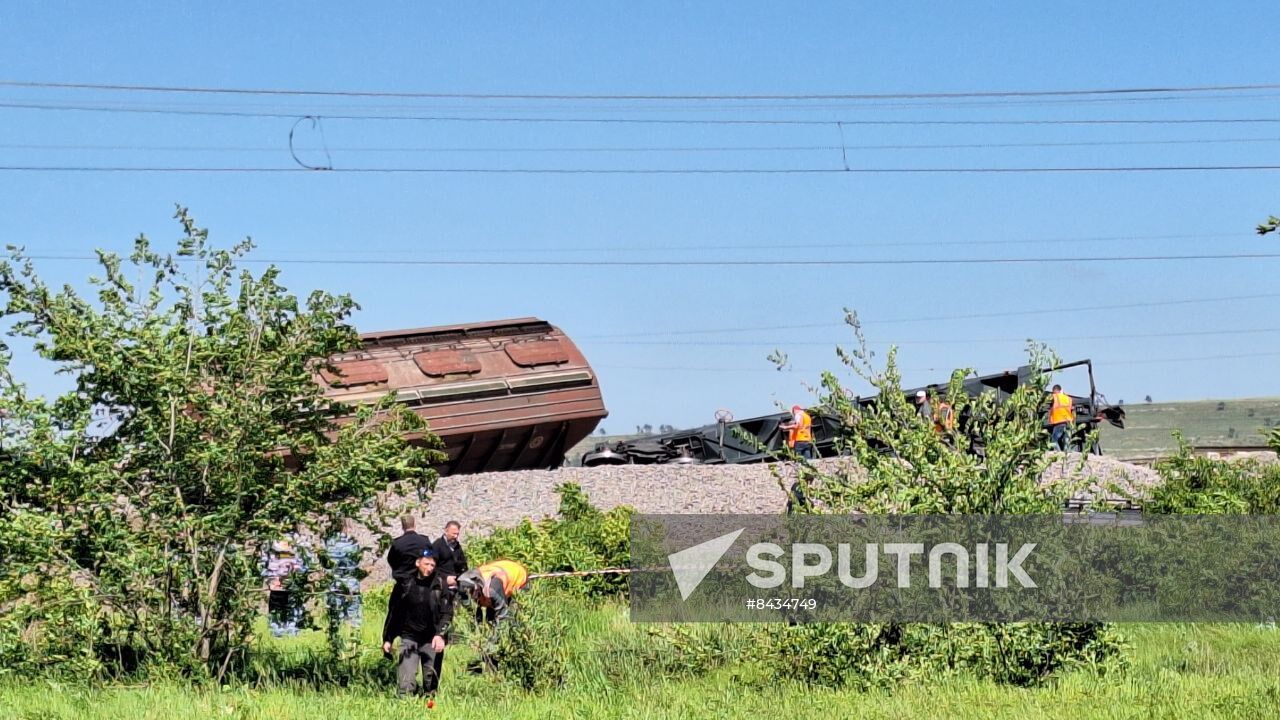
1061, 410
943, 417
802, 432
513, 574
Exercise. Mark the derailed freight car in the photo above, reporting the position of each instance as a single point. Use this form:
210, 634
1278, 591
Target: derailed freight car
502, 395
762, 439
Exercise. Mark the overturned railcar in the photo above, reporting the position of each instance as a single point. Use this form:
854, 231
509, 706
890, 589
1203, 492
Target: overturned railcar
503, 395
762, 439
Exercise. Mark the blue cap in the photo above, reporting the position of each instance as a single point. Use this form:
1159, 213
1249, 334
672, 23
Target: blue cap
426, 552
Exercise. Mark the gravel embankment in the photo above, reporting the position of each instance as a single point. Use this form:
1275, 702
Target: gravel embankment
489, 500
1100, 476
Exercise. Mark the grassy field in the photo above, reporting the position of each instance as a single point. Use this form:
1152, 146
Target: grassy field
1230, 671
1148, 427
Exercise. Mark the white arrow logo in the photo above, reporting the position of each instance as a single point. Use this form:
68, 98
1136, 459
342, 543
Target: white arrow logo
691, 565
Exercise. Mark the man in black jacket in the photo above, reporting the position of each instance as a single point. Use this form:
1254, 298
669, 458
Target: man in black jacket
406, 549
402, 556
420, 618
451, 560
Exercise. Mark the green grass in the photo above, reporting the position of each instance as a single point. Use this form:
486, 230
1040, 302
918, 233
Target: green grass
1149, 427
1230, 671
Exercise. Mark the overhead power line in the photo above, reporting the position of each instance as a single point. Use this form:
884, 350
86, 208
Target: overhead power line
634, 148
192, 89
382, 105
294, 114
1101, 361
643, 171
957, 341
934, 318
697, 245
723, 263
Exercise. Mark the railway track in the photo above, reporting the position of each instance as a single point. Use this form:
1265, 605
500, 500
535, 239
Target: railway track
1205, 450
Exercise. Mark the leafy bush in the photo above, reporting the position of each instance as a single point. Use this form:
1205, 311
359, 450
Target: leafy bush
529, 648
990, 463
680, 651
194, 436
1196, 485
581, 538
877, 655
834, 655
50, 640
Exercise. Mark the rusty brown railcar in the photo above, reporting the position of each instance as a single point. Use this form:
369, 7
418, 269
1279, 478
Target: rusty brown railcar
503, 395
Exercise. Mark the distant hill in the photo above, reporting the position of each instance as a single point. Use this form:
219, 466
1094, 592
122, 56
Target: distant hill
1148, 427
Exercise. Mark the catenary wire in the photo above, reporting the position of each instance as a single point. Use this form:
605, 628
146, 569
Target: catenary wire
632, 121
723, 263
192, 89
823, 343
644, 171
640, 149
701, 247
1137, 361
756, 106
937, 318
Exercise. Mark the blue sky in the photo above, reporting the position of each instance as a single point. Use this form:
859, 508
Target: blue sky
694, 48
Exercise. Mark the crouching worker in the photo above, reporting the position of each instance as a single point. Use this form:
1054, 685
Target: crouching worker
492, 585
420, 617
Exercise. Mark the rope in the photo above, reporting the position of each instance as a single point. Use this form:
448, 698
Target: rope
583, 573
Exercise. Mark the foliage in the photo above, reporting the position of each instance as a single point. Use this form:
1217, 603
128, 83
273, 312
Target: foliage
1196, 485
875, 655
581, 538
1271, 225
989, 463
682, 650
135, 508
529, 648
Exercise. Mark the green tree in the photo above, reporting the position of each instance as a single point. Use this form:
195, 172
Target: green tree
135, 508
989, 463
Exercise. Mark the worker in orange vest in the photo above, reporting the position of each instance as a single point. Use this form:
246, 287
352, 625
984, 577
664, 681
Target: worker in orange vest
1061, 415
799, 429
800, 433
492, 585
944, 417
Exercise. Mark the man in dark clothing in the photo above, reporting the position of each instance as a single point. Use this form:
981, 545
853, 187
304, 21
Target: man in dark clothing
402, 556
406, 549
451, 560
420, 618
